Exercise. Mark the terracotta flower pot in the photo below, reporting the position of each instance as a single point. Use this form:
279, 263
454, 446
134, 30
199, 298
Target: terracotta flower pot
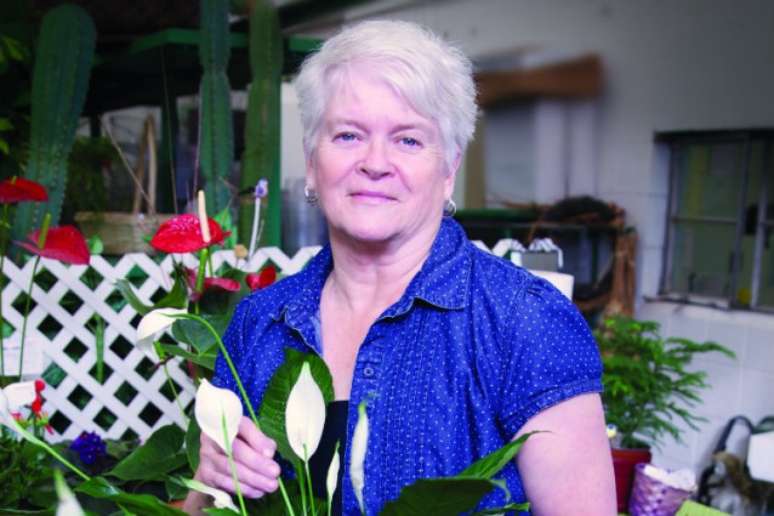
624, 461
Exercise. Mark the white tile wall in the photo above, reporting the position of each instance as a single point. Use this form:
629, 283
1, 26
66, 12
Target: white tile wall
744, 385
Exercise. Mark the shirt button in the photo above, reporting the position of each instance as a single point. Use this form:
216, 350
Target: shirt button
368, 371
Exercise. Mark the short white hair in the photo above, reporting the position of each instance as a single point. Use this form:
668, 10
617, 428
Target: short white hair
434, 77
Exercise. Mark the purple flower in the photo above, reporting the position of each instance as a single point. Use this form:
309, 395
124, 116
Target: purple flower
262, 188
89, 447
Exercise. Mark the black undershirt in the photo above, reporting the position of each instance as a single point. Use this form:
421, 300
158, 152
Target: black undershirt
334, 430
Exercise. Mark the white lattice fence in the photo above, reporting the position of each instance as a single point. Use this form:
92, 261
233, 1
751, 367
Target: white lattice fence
134, 398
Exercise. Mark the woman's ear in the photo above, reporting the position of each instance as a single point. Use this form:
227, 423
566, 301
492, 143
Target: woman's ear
310, 170
451, 176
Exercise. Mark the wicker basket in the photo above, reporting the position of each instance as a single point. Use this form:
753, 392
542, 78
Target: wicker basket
121, 232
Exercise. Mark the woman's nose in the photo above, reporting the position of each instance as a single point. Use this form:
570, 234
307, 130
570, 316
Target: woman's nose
376, 162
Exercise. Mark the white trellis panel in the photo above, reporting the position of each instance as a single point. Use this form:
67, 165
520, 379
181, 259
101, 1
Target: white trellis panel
78, 402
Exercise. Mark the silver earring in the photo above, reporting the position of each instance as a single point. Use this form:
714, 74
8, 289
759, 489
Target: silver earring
449, 208
310, 195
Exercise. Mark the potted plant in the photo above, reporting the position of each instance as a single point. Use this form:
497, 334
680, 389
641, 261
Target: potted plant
647, 390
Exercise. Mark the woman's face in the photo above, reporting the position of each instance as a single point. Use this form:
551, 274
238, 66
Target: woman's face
379, 167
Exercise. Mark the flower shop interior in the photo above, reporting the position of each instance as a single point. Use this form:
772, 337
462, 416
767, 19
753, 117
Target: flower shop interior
624, 150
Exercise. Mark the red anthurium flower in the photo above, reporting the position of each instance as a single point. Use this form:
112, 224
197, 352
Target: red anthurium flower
63, 243
257, 281
183, 234
37, 404
228, 284
19, 189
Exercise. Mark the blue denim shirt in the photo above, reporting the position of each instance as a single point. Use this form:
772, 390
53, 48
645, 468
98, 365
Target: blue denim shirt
473, 349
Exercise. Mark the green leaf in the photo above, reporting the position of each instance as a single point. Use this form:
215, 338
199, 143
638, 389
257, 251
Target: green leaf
272, 412
196, 334
5, 124
175, 298
223, 217
205, 358
220, 512
439, 496
95, 245
124, 287
4, 147
147, 505
192, 443
159, 455
515, 507
491, 464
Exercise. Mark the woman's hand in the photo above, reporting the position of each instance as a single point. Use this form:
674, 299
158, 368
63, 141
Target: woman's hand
256, 470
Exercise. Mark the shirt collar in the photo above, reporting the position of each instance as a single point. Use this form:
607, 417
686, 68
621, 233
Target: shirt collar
442, 281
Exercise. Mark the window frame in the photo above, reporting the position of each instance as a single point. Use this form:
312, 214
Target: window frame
675, 139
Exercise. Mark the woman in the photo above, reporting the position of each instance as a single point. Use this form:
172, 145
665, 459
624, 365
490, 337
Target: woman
457, 351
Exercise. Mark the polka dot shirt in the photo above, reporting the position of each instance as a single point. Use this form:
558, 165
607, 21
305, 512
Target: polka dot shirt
473, 349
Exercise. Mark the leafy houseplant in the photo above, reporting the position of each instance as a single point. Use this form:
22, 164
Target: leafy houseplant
648, 388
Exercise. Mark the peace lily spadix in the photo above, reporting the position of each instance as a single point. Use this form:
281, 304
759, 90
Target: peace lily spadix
357, 454
152, 326
305, 415
216, 408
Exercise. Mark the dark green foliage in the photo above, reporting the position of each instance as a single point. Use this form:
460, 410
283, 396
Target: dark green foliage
25, 475
86, 185
216, 140
649, 385
463, 492
261, 156
63, 60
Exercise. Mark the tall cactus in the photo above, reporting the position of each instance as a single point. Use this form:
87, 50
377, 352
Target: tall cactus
60, 79
261, 157
216, 132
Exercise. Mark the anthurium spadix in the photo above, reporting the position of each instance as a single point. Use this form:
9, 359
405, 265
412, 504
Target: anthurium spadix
358, 453
216, 408
152, 326
305, 415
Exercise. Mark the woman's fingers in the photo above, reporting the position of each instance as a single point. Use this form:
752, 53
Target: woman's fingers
255, 438
252, 452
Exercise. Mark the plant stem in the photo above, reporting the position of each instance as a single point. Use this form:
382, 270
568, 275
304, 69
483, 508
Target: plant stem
39, 442
26, 314
231, 465
309, 483
175, 394
3, 233
301, 486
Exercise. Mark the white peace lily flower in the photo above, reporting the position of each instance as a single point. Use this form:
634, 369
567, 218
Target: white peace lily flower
358, 453
332, 480
68, 503
13, 397
214, 406
152, 326
305, 414
221, 499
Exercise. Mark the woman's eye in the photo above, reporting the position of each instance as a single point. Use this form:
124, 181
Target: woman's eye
410, 142
346, 137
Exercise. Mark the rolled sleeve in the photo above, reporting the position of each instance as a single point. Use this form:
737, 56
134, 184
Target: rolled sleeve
551, 355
